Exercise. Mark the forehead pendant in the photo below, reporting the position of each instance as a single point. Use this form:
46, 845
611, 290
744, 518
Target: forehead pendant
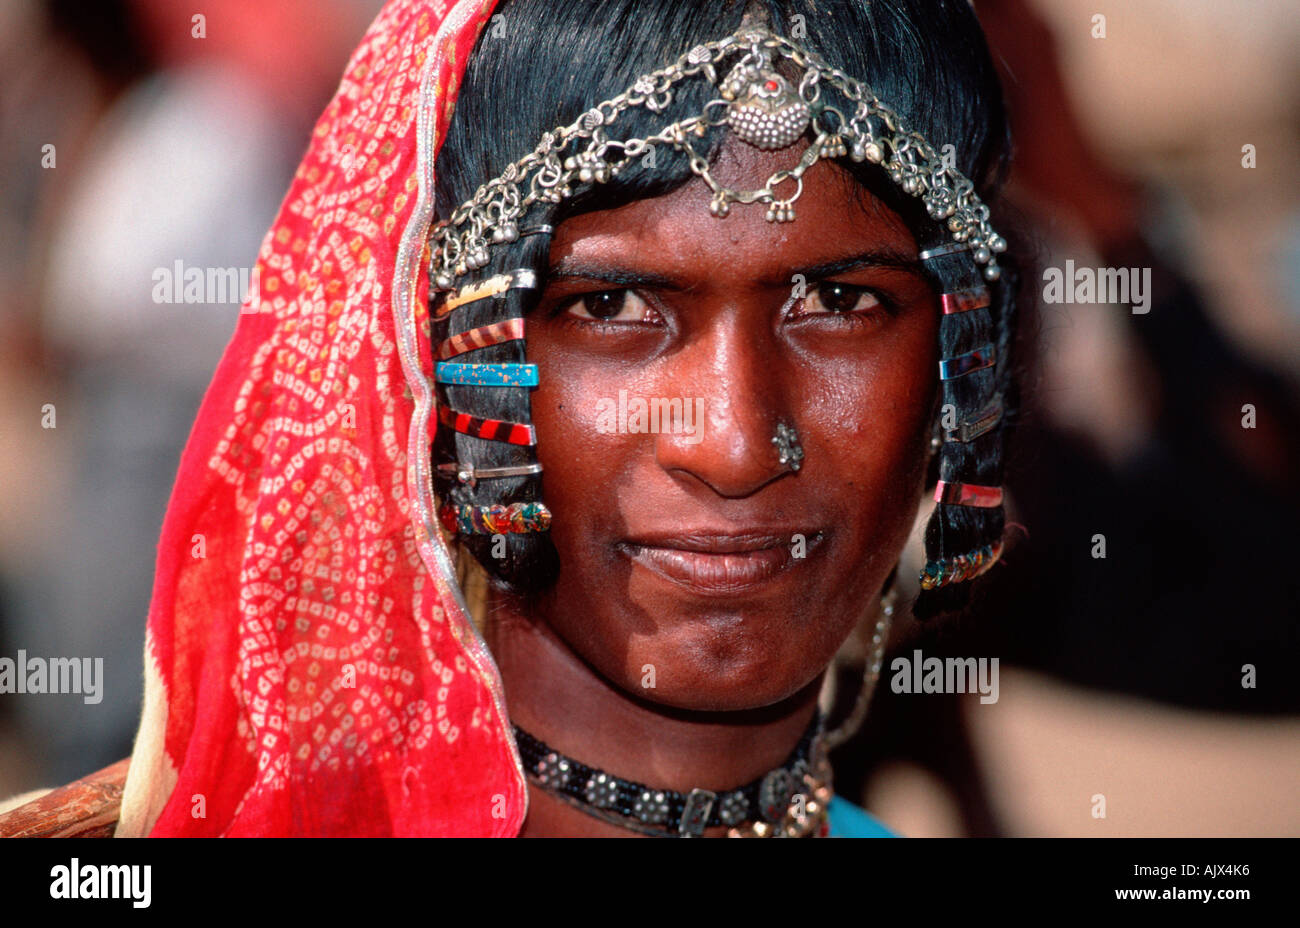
765, 111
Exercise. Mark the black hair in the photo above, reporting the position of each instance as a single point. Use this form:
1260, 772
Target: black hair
543, 63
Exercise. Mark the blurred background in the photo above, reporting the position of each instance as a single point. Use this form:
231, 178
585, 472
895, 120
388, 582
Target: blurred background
1164, 135
129, 143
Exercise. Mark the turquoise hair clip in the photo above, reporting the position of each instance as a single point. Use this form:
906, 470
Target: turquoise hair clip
487, 375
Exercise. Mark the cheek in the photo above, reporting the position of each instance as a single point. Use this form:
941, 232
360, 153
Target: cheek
571, 404
582, 459
565, 404
886, 415
869, 420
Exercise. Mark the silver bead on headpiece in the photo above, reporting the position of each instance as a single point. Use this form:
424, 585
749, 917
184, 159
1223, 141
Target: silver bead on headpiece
762, 108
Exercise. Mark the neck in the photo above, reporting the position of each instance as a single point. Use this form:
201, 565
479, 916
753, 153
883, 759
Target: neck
555, 696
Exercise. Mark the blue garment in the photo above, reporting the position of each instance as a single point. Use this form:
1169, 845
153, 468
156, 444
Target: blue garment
850, 821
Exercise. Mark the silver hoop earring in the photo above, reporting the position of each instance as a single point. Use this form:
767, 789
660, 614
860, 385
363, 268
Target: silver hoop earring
789, 452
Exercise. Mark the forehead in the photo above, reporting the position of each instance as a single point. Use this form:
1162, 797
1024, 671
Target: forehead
834, 217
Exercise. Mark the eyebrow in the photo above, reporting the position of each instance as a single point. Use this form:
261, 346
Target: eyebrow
571, 268
885, 257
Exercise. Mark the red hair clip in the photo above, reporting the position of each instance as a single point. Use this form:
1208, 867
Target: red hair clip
967, 494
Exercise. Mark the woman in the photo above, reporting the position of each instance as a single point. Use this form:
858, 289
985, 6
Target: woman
670, 380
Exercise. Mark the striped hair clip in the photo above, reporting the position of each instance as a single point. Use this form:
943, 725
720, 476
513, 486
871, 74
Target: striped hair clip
485, 336
513, 433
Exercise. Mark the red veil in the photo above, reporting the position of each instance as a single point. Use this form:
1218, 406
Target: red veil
311, 668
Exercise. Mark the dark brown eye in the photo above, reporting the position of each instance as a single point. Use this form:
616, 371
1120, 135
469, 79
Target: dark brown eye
839, 298
604, 305
610, 306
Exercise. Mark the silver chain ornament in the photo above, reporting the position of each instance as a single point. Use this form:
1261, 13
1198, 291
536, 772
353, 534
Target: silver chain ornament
763, 109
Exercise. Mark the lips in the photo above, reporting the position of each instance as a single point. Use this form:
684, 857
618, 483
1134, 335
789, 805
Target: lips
719, 564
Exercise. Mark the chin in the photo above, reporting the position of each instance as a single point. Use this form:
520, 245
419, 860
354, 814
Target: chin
720, 665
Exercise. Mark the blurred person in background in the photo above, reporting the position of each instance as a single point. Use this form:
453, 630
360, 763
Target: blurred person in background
189, 133
1148, 614
64, 69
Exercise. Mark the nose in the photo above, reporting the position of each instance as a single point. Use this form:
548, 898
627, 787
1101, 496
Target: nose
728, 384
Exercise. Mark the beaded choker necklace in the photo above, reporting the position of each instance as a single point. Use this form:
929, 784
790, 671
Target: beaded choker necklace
789, 801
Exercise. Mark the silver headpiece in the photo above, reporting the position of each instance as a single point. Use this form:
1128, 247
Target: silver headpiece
763, 109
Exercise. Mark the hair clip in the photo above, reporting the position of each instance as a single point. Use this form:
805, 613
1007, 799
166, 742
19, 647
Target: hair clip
524, 277
948, 248
961, 301
967, 494
513, 433
984, 420
486, 375
960, 568
485, 336
542, 229
497, 519
967, 363
470, 475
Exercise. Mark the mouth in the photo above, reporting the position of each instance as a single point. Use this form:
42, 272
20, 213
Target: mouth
714, 564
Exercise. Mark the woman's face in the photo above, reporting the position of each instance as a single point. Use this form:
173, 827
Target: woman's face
696, 570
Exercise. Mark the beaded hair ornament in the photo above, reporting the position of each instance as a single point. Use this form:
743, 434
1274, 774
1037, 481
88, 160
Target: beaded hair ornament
764, 109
